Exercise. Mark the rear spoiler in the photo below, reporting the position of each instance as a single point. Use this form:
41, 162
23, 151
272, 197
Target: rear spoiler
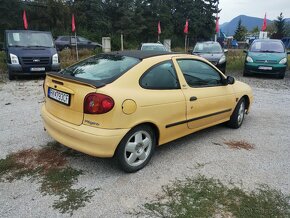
92, 83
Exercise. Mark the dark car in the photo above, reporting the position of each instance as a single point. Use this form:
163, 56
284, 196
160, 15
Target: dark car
266, 56
30, 53
213, 52
66, 42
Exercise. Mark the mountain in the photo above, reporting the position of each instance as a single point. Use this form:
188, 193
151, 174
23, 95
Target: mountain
249, 22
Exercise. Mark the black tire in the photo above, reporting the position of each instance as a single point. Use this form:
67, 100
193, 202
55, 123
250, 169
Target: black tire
281, 75
11, 76
138, 149
246, 73
237, 118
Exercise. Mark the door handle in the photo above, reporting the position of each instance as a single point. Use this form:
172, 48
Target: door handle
193, 98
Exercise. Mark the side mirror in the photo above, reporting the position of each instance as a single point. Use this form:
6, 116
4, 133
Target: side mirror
226, 51
230, 80
288, 52
246, 51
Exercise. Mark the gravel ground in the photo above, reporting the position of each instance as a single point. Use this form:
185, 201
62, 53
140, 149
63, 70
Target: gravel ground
266, 127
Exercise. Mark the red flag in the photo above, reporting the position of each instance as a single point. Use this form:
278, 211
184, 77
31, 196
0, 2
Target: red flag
159, 28
73, 24
185, 30
264, 27
217, 27
25, 24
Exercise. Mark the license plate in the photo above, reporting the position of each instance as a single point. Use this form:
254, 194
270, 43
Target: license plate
265, 68
37, 69
59, 96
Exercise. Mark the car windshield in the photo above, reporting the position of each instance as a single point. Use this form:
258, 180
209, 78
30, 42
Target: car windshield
153, 48
104, 67
207, 48
29, 39
267, 46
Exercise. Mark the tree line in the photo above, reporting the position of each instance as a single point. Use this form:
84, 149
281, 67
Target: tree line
136, 19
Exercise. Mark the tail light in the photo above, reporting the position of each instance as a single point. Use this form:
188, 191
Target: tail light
98, 103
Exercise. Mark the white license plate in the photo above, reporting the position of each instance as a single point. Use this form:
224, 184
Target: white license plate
265, 68
37, 69
59, 96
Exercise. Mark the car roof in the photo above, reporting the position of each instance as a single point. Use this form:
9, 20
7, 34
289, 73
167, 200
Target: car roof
140, 54
153, 44
267, 40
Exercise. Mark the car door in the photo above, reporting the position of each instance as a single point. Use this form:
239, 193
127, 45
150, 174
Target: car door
163, 100
209, 101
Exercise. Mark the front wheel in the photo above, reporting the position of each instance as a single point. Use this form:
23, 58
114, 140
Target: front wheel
246, 73
136, 149
281, 75
11, 76
238, 115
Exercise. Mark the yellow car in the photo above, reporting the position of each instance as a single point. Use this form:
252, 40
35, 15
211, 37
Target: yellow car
124, 104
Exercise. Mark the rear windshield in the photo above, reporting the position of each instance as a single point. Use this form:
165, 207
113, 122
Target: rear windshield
267, 46
105, 68
207, 48
29, 39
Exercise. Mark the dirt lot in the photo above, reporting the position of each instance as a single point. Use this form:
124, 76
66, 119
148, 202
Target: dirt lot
209, 152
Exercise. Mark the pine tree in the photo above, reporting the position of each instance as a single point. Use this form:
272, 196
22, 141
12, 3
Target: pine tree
280, 27
240, 32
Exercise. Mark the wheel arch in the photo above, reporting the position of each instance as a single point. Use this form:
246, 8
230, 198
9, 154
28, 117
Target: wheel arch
152, 126
247, 99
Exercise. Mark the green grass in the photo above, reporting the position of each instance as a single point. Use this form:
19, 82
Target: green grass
48, 166
203, 197
235, 60
3, 67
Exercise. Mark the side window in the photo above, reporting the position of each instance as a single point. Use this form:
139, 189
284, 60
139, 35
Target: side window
199, 74
161, 76
65, 38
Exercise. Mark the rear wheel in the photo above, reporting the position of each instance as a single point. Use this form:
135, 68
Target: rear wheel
136, 149
238, 115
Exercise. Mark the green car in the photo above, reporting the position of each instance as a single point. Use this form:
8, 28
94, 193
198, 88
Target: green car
266, 56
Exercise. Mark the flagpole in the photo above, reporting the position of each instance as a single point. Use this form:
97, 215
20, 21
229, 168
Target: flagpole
217, 15
185, 43
76, 45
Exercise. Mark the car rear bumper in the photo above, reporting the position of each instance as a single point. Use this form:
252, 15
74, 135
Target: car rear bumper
89, 140
17, 69
255, 68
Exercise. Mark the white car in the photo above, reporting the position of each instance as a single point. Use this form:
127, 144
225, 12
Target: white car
153, 47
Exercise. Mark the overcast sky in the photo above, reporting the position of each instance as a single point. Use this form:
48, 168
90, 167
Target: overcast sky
254, 8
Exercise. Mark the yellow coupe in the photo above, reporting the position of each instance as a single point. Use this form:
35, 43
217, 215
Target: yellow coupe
124, 104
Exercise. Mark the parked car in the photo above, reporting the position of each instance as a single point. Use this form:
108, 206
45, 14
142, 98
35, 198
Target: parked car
152, 47
266, 56
213, 52
124, 104
67, 42
29, 53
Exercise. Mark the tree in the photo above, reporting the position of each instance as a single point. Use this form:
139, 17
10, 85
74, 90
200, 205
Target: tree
280, 27
255, 30
240, 32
